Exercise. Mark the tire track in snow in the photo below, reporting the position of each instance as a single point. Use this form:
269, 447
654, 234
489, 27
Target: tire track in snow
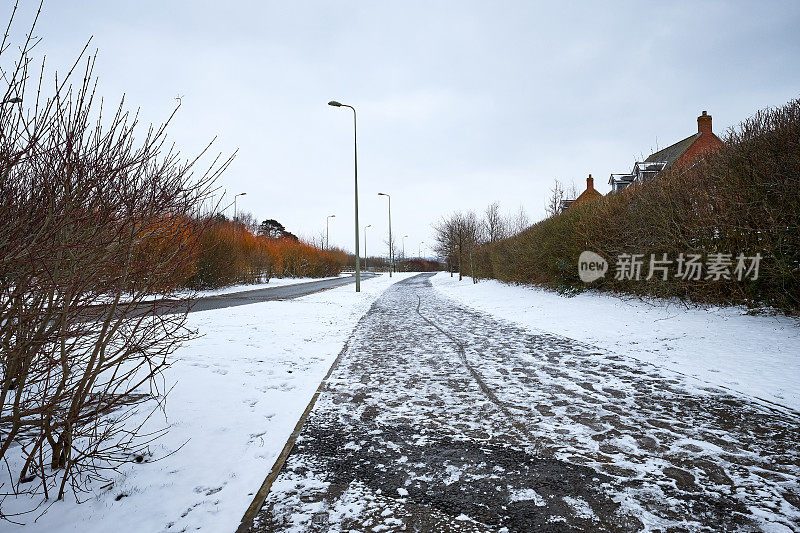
485, 389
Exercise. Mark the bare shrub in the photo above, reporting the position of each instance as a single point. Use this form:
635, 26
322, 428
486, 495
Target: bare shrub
93, 221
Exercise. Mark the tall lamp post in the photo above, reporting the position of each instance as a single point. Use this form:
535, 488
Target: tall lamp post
365, 246
403, 253
419, 251
327, 242
234, 203
334, 103
391, 248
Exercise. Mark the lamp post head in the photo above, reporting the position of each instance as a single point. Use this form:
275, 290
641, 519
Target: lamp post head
334, 103
368, 226
14, 100
382, 194
331, 216
242, 194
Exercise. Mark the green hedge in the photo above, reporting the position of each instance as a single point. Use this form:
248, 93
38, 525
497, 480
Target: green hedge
743, 199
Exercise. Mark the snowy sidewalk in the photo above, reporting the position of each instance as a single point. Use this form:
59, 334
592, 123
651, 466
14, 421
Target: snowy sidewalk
754, 355
441, 418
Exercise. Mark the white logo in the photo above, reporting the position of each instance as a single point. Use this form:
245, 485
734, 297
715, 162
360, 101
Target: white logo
591, 266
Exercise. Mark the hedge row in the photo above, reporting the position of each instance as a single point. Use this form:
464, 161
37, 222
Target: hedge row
218, 252
742, 200
229, 253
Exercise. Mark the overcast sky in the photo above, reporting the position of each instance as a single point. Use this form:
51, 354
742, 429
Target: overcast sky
460, 103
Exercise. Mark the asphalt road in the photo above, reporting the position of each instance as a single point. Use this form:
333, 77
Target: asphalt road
208, 303
284, 292
440, 418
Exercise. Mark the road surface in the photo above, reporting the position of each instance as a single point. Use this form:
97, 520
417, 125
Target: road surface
208, 303
440, 418
283, 292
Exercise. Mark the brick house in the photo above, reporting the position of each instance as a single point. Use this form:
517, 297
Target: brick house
682, 154
589, 194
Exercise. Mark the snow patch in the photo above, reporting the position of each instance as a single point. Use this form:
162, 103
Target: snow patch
521, 495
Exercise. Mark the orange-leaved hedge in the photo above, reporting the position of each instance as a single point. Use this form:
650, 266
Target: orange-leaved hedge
229, 253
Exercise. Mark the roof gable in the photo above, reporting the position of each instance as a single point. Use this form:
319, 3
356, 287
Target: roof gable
672, 153
587, 195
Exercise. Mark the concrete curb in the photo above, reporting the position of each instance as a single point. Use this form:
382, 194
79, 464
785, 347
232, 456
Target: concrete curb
261, 496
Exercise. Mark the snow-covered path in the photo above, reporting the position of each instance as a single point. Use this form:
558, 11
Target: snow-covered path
442, 418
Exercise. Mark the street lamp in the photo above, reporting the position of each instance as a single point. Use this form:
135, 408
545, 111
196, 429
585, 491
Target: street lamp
365, 246
391, 248
419, 251
403, 253
334, 103
14, 100
234, 203
327, 219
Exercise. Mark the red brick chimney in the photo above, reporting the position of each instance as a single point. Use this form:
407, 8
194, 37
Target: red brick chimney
704, 123
590, 183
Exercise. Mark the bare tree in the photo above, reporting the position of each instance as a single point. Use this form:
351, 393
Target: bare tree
519, 221
554, 202
469, 238
456, 238
572, 190
559, 193
249, 222
494, 225
394, 252
445, 241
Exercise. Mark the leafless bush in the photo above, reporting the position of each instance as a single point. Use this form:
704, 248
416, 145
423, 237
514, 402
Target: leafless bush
93, 221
